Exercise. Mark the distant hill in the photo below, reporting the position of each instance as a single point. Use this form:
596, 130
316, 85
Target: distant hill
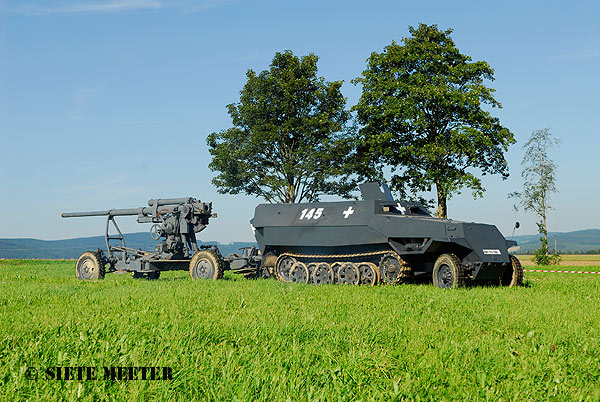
574, 242
578, 242
72, 248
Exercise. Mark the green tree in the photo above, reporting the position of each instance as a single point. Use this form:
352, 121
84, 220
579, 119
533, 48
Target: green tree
422, 116
539, 175
289, 141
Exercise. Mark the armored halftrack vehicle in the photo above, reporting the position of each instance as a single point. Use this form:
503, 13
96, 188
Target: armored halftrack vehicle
376, 240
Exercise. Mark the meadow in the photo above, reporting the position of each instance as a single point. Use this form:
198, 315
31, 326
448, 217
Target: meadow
242, 340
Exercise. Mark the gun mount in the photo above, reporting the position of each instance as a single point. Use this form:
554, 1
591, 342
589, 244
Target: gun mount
176, 221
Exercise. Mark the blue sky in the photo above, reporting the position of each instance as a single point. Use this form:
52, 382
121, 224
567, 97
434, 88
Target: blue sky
107, 103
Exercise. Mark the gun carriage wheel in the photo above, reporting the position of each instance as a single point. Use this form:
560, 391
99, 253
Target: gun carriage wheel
89, 266
205, 264
448, 272
513, 276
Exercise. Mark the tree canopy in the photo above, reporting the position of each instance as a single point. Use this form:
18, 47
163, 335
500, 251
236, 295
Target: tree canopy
288, 141
422, 116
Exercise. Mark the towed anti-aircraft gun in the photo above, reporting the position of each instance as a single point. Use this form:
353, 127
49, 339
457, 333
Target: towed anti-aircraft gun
176, 222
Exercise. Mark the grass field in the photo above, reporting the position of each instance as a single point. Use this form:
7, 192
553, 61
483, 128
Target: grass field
262, 340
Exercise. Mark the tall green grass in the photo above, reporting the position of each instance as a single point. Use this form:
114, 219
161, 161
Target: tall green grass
263, 340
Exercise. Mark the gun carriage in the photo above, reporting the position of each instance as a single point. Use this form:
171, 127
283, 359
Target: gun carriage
175, 223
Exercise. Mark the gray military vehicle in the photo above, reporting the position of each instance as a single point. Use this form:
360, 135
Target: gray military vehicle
377, 240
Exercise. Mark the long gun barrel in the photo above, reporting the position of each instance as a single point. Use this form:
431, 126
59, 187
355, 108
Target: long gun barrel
110, 212
152, 210
170, 201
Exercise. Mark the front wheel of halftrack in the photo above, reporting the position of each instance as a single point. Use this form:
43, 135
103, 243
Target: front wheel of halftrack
89, 266
206, 265
448, 272
513, 276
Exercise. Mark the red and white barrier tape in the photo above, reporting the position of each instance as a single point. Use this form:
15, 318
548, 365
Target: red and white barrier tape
562, 272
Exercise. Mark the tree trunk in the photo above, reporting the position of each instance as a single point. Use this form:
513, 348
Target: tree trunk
290, 194
544, 208
545, 227
442, 211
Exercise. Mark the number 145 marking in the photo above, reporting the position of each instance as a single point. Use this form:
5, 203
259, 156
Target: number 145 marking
313, 213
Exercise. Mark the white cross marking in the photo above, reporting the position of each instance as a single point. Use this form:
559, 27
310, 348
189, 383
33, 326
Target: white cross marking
348, 212
401, 208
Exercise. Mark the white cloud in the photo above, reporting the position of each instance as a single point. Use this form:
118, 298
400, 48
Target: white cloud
111, 6
197, 6
83, 98
588, 51
85, 7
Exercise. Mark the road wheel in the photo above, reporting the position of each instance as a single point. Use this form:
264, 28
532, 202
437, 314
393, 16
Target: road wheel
335, 267
513, 276
206, 265
267, 268
348, 274
448, 272
311, 272
368, 273
299, 273
322, 274
89, 266
283, 267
